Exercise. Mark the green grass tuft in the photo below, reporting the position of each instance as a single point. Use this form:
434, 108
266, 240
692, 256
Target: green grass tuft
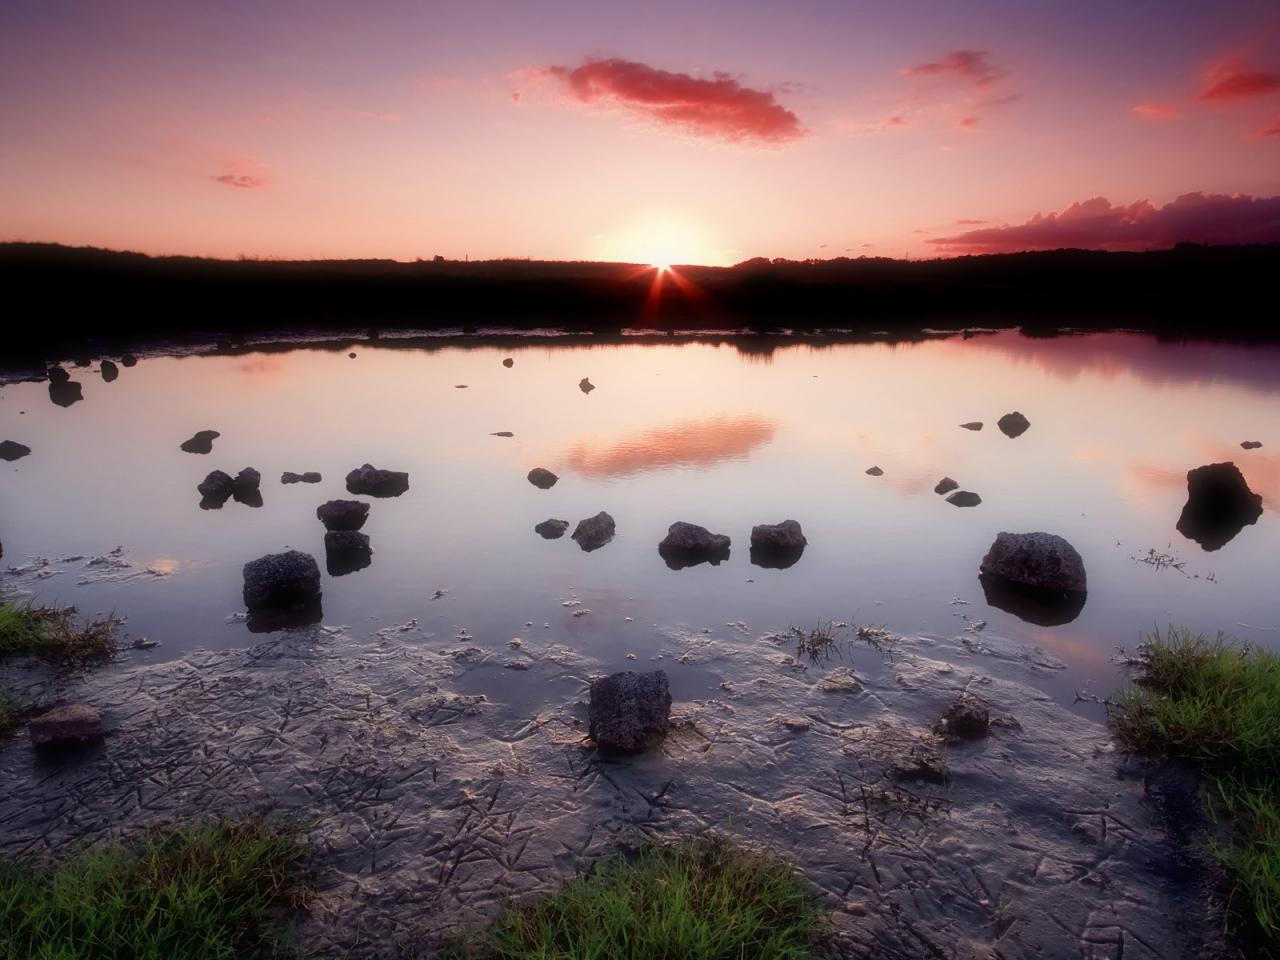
12, 709
696, 899
205, 892
1216, 703
54, 634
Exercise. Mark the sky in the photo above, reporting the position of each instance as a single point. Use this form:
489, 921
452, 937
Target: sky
652, 133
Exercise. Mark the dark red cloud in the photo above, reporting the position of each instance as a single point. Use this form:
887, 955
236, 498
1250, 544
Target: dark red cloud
1156, 111
971, 65
1236, 79
1270, 130
720, 108
240, 180
1097, 224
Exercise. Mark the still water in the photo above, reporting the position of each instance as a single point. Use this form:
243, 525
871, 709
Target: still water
701, 432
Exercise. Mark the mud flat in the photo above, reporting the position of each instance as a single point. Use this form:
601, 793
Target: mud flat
431, 803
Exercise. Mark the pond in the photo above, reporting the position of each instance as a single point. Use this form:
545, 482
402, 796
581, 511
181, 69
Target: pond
104, 512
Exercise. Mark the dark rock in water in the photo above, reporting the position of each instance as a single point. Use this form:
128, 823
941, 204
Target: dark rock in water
245, 487
346, 551
128, 360
551, 529
1219, 505
109, 371
1013, 424
67, 726
687, 544
972, 425
777, 545
351, 356
542, 478
967, 718
309, 477
343, 514
585, 385
629, 711
1044, 608
875, 472
281, 580
373, 482
459, 386
201, 442
1251, 444
945, 485
502, 433
594, 532
1036, 560
11, 450
83, 360
271, 619
57, 375
216, 489
508, 363
65, 393
964, 498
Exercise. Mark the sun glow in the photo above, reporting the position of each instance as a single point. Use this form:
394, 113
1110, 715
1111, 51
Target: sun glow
661, 241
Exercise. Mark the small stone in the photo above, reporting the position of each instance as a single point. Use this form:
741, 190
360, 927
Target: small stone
972, 425
966, 718
309, 477
542, 478
66, 726
502, 433
585, 385
945, 485
375, 482
508, 363
552, 529
11, 450
343, 514
628, 711
1251, 444
281, 579
594, 532
109, 371
201, 442
874, 472
57, 375
1013, 424
964, 498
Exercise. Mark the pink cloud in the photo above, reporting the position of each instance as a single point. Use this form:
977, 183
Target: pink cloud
719, 108
970, 65
1235, 79
1097, 224
242, 180
1156, 111
1270, 130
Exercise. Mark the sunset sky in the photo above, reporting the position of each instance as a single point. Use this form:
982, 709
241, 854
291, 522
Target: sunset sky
656, 132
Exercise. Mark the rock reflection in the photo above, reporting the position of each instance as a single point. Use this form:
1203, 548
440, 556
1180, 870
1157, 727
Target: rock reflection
285, 618
696, 443
65, 393
1044, 608
1219, 505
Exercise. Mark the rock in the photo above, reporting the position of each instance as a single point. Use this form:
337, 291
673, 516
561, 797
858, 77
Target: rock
65, 393
11, 450
629, 711
351, 356
201, 442
875, 472
585, 385
945, 485
972, 425
594, 532
502, 433
128, 360
1041, 560
1219, 505
67, 726
967, 718
459, 386
343, 514
920, 762
542, 478
109, 371
552, 529
309, 477
216, 489
245, 487
281, 580
508, 363
687, 544
346, 551
964, 498
57, 374
777, 545
374, 482
1013, 424
1251, 444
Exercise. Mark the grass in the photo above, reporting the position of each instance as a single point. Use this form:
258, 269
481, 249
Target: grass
816, 644
1216, 703
54, 634
212, 891
12, 709
696, 899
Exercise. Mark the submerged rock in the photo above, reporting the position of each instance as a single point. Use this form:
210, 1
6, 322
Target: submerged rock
346, 551
945, 485
128, 360
972, 425
508, 363
201, 442
585, 385
1038, 577
281, 581
1219, 505
551, 529
109, 371
964, 498
594, 532
309, 477
1251, 444
11, 450
629, 711
1013, 424
542, 478
374, 482
687, 544
67, 726
65, 393
777, 545
967, 718
874, 472
343, 514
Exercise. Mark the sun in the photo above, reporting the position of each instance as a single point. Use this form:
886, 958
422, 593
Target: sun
661, 267
660, 240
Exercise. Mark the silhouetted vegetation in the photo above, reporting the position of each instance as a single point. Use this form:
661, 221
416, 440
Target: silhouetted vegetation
112, 297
